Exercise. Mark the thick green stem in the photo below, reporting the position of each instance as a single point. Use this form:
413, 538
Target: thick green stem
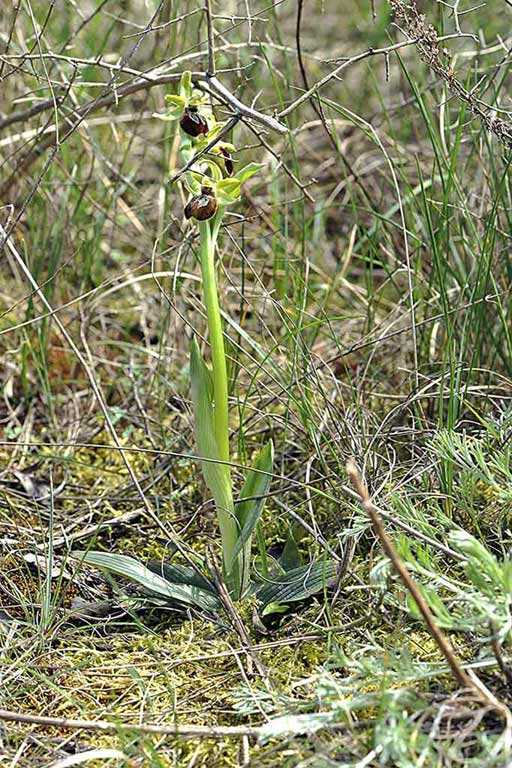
220, 374
226, 517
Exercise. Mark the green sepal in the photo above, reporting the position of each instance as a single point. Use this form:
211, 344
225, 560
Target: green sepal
228, 191
247, 171
178, 102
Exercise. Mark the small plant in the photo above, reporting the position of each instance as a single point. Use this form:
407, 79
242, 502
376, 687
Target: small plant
213, 186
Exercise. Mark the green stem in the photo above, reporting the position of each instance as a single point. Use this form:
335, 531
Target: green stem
220, 374
226, 517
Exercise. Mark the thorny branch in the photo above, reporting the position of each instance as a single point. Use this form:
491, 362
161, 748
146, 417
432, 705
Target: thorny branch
427, 42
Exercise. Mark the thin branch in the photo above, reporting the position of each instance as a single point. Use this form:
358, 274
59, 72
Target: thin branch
225, 130
211, 39
466, 679
205, 731
212, 84
109, 99
335, 72
354, 60
428, 44
389, 548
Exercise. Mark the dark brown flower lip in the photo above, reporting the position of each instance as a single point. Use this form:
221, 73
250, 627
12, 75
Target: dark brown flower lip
192, 123
228, 162
203, 206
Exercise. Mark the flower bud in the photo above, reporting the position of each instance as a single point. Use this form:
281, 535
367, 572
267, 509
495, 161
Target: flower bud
192, 122
203, 206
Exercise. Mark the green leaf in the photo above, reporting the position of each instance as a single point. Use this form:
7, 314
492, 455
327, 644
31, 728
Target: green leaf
298, 584
290, 557
252, 498
216, 476
274, 608
129, 568
247, 171
177, 573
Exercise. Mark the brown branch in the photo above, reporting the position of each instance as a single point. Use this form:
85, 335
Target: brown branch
187, 731
220, 90
468, 680
389, 548
428, 44
335, 73
211, 39
200, 78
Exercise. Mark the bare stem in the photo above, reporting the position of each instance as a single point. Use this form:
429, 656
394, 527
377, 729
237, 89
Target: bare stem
211, 39
389, 548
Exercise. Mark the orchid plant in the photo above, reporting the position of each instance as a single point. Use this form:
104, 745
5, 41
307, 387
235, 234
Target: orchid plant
214, 185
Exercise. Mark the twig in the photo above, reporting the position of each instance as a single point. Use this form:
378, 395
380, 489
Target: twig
427, 42
201, 79
94, 529
335, 72
226, 129
238, 625
205, 731
468, 680
389, 548
212, 84
413, 40
285, 168
211, 39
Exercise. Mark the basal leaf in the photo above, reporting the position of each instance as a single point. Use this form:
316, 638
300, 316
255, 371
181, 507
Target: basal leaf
177, 573
129, 568
290, 556
298, 584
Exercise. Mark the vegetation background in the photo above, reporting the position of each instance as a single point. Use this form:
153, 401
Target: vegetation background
365, 282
